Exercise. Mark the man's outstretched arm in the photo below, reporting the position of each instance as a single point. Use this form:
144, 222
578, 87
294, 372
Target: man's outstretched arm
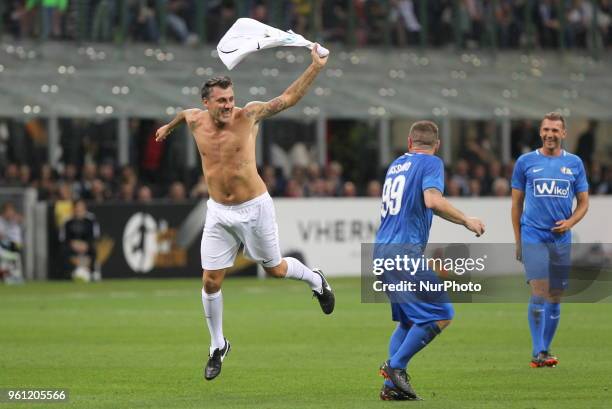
291, 96
163, 132
443, 208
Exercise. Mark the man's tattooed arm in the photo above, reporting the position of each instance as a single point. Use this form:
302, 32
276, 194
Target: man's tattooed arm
291, 96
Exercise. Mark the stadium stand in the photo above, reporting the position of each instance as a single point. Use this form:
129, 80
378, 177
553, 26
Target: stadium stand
484, 70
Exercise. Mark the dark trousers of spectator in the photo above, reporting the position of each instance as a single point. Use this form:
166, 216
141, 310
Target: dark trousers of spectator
71, 260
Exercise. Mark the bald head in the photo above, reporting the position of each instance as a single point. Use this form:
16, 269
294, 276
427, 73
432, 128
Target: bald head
423, 135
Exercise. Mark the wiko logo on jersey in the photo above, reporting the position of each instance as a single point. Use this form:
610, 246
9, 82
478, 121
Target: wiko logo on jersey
551, 188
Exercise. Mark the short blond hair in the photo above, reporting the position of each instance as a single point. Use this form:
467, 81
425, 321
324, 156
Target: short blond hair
554, 116
424, 134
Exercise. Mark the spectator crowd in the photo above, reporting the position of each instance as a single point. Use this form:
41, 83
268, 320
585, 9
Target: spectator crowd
469, 23
476, 173
100, 183
472, 23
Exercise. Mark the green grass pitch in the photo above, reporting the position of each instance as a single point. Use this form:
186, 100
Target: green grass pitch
142, 344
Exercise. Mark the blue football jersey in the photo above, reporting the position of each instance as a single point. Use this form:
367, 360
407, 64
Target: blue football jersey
404, 216
550, 184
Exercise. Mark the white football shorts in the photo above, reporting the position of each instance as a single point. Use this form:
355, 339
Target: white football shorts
252, 223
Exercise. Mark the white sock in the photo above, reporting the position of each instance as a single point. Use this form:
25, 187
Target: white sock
298, 271
213, 311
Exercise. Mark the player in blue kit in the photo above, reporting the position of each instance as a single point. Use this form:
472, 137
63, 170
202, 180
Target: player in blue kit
412, 193
544, 185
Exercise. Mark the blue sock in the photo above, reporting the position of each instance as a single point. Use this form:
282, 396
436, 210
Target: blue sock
397, 338
552, 313
536, 323
417, 338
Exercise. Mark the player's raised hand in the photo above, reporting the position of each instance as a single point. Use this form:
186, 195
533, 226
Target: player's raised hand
162, 133
316, 58
475, 225
562, 226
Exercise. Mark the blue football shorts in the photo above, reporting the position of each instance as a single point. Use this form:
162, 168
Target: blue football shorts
421, 305
546, 256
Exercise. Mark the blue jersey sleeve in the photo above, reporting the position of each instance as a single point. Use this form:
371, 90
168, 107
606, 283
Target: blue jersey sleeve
581, 184
518, 176
433, 175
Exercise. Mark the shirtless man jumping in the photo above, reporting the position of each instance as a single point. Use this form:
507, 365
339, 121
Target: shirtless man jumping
240, 210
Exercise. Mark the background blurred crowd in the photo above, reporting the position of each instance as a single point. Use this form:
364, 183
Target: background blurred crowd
88, 168
476, 172
467, 23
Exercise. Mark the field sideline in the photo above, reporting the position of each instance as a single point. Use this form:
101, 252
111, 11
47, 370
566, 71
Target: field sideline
142, 344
